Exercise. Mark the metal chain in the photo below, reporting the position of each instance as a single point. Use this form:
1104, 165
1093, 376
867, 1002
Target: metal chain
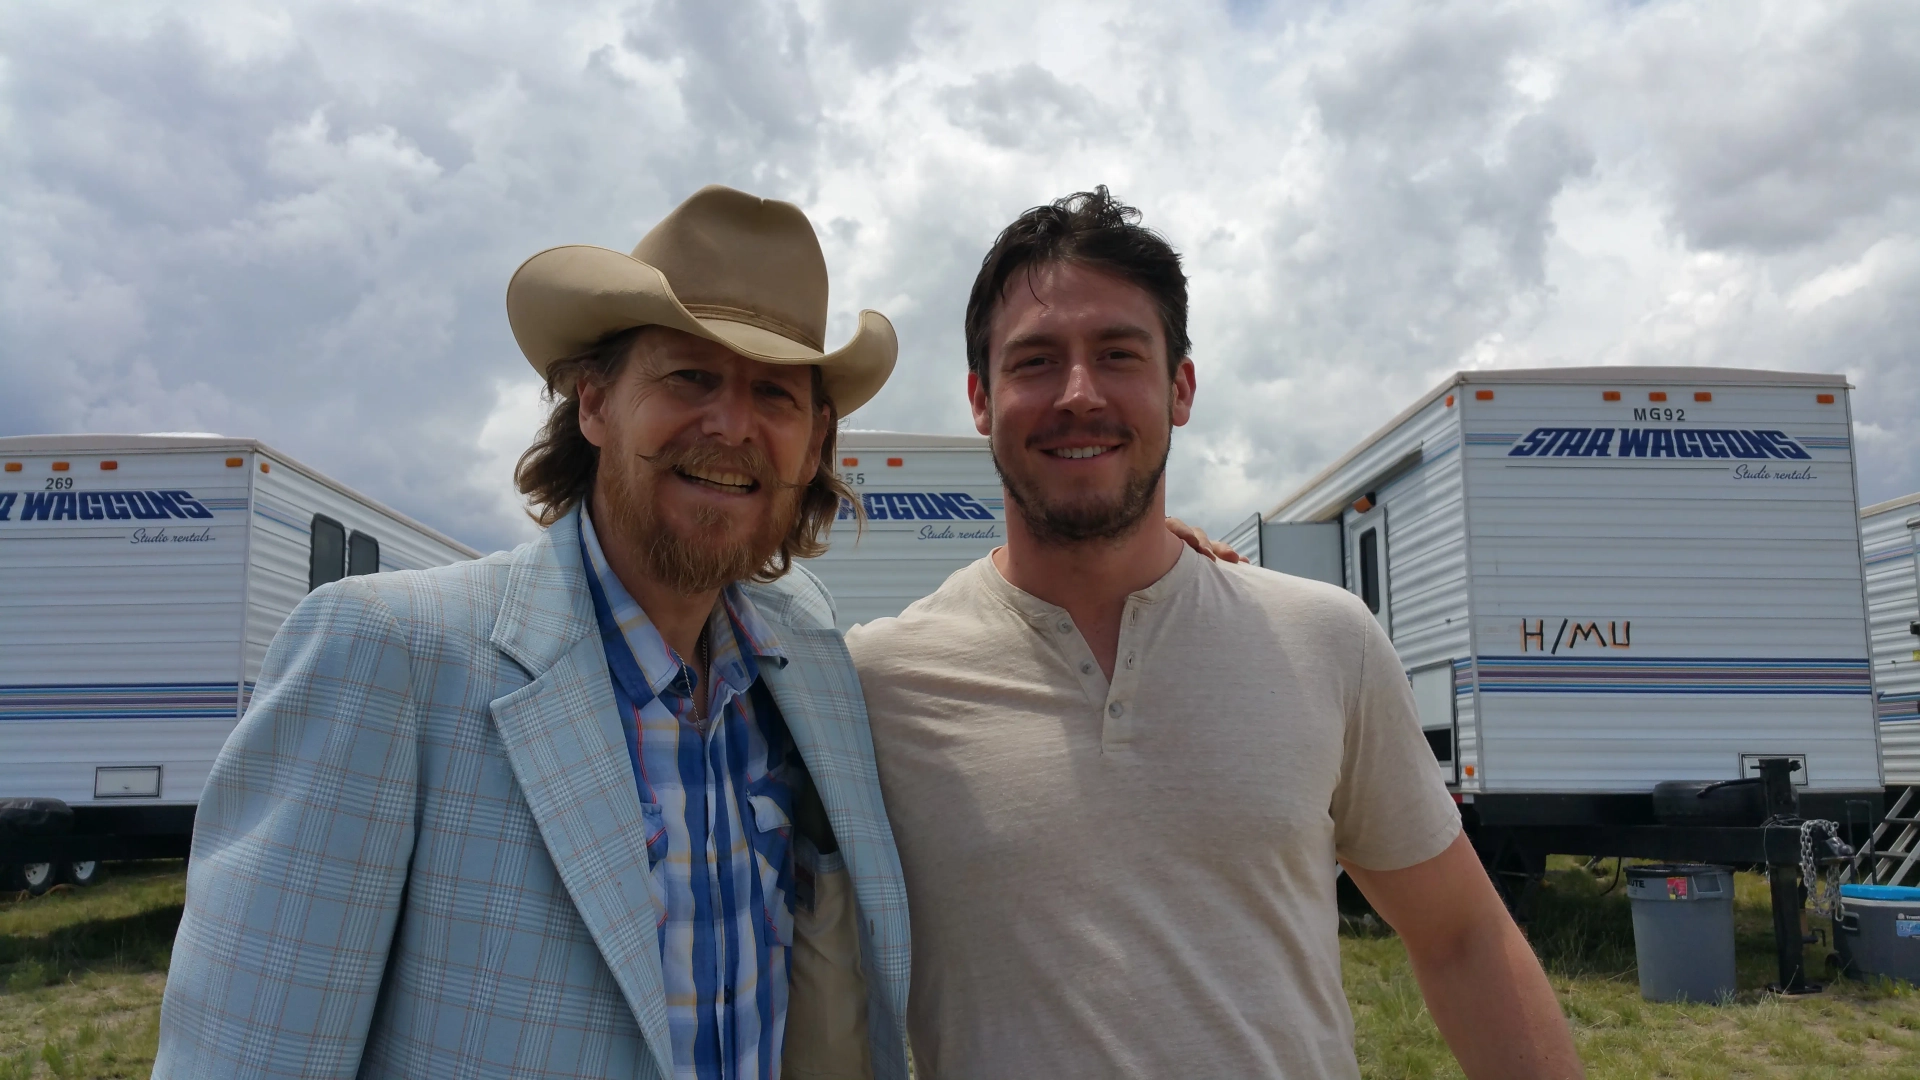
1823, 897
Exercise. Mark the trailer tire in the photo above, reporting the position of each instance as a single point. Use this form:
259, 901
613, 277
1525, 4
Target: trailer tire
1516, 872
81, 874
34, 879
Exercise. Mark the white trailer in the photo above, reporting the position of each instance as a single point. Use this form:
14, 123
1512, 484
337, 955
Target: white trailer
1603, 578
933, 504
1614, 589
141, 579
1888, 535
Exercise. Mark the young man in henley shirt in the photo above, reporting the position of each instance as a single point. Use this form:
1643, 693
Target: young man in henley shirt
1120, 774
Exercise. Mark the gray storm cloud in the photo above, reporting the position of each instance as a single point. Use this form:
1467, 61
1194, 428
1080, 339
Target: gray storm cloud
296, 222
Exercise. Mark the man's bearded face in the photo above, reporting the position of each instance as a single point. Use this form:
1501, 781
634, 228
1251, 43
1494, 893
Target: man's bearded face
699, 544
1079, 405
704, 456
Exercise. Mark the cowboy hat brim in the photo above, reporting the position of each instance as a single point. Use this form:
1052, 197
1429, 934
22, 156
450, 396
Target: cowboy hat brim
565, 299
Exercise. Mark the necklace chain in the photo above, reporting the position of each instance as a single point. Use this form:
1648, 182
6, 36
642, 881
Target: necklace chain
700, 655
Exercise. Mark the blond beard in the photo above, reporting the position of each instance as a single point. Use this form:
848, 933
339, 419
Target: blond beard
704, 558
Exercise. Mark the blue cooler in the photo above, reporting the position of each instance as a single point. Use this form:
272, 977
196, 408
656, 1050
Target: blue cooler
1878, 931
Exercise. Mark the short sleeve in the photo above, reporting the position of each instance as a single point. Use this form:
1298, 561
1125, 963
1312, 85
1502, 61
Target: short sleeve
1391, 808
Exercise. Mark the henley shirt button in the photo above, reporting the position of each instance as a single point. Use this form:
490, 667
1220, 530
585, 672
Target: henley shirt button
1129, 661
1066, 626
1086, 667
1114, 710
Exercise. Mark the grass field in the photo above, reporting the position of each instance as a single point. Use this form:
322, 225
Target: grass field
81, 973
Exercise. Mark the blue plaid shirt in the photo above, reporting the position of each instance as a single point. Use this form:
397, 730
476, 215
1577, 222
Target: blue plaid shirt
718, 809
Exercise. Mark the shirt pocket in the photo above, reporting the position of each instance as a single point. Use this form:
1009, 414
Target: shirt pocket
771, 832
654, 823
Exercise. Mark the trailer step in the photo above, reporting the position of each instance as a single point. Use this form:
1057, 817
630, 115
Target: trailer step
1892, 856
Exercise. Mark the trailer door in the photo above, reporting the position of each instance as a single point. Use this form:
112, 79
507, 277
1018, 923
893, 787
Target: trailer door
1367, 563
1433, 696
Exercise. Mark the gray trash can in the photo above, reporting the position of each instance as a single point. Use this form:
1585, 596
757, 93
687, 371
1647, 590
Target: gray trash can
1683, 931
1878, 932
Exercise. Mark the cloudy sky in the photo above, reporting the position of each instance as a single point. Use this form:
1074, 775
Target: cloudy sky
296, 221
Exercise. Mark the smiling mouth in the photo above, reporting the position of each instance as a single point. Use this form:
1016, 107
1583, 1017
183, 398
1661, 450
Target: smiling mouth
733, 483
1079, 452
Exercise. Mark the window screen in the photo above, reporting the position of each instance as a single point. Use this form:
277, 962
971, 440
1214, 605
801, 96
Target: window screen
328, 560
1370, 569
363, 555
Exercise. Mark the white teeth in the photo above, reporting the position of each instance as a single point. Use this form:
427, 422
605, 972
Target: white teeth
1080, 451
725, 479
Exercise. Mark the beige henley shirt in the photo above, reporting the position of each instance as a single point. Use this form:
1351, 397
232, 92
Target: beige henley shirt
1137, 878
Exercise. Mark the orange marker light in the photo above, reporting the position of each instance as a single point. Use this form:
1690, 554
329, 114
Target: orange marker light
1483, 395
895, 462
1362, 504
234, 462
1610, 395
13, 466
109, 466
849, 461
263, 467
59, 466
1469, 770
1702, 395
1449, 401
1657, 395
1824, 399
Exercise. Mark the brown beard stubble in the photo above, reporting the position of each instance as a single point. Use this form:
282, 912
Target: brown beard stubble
705, 560
1086, 522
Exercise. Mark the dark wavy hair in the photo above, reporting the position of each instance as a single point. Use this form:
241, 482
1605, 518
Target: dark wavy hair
1095, 230
557, 471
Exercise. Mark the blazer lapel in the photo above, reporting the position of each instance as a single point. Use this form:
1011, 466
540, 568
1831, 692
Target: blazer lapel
563, 739
820, 699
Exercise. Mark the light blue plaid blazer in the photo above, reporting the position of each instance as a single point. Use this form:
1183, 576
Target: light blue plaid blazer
421, 852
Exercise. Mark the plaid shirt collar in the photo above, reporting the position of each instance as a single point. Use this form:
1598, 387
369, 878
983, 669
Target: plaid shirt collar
736, 667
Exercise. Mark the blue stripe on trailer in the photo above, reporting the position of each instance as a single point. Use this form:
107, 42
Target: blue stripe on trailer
1674, 675
278, 520
121, 701
1899, 552
1898, 707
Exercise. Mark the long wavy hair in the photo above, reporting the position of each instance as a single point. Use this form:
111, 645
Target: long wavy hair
557, 471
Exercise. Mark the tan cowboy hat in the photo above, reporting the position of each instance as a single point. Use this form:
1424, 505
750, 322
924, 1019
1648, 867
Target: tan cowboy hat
724, 265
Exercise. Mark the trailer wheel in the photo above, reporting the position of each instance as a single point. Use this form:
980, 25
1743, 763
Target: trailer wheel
34, 879
81, 874
1516, 873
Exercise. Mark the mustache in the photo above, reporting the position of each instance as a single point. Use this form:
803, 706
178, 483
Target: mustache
1097, 428
711, 457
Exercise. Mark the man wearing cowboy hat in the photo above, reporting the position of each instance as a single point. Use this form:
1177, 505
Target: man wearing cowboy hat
603, 805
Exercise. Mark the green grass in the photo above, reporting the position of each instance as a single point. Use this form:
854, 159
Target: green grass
1585, 941
81, 974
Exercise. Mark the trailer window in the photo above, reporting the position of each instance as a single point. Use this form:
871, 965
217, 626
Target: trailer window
363, 555
1370, 569
1440, 741
327, 561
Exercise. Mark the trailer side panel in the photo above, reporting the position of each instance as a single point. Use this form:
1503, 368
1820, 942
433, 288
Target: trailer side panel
1667, 584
